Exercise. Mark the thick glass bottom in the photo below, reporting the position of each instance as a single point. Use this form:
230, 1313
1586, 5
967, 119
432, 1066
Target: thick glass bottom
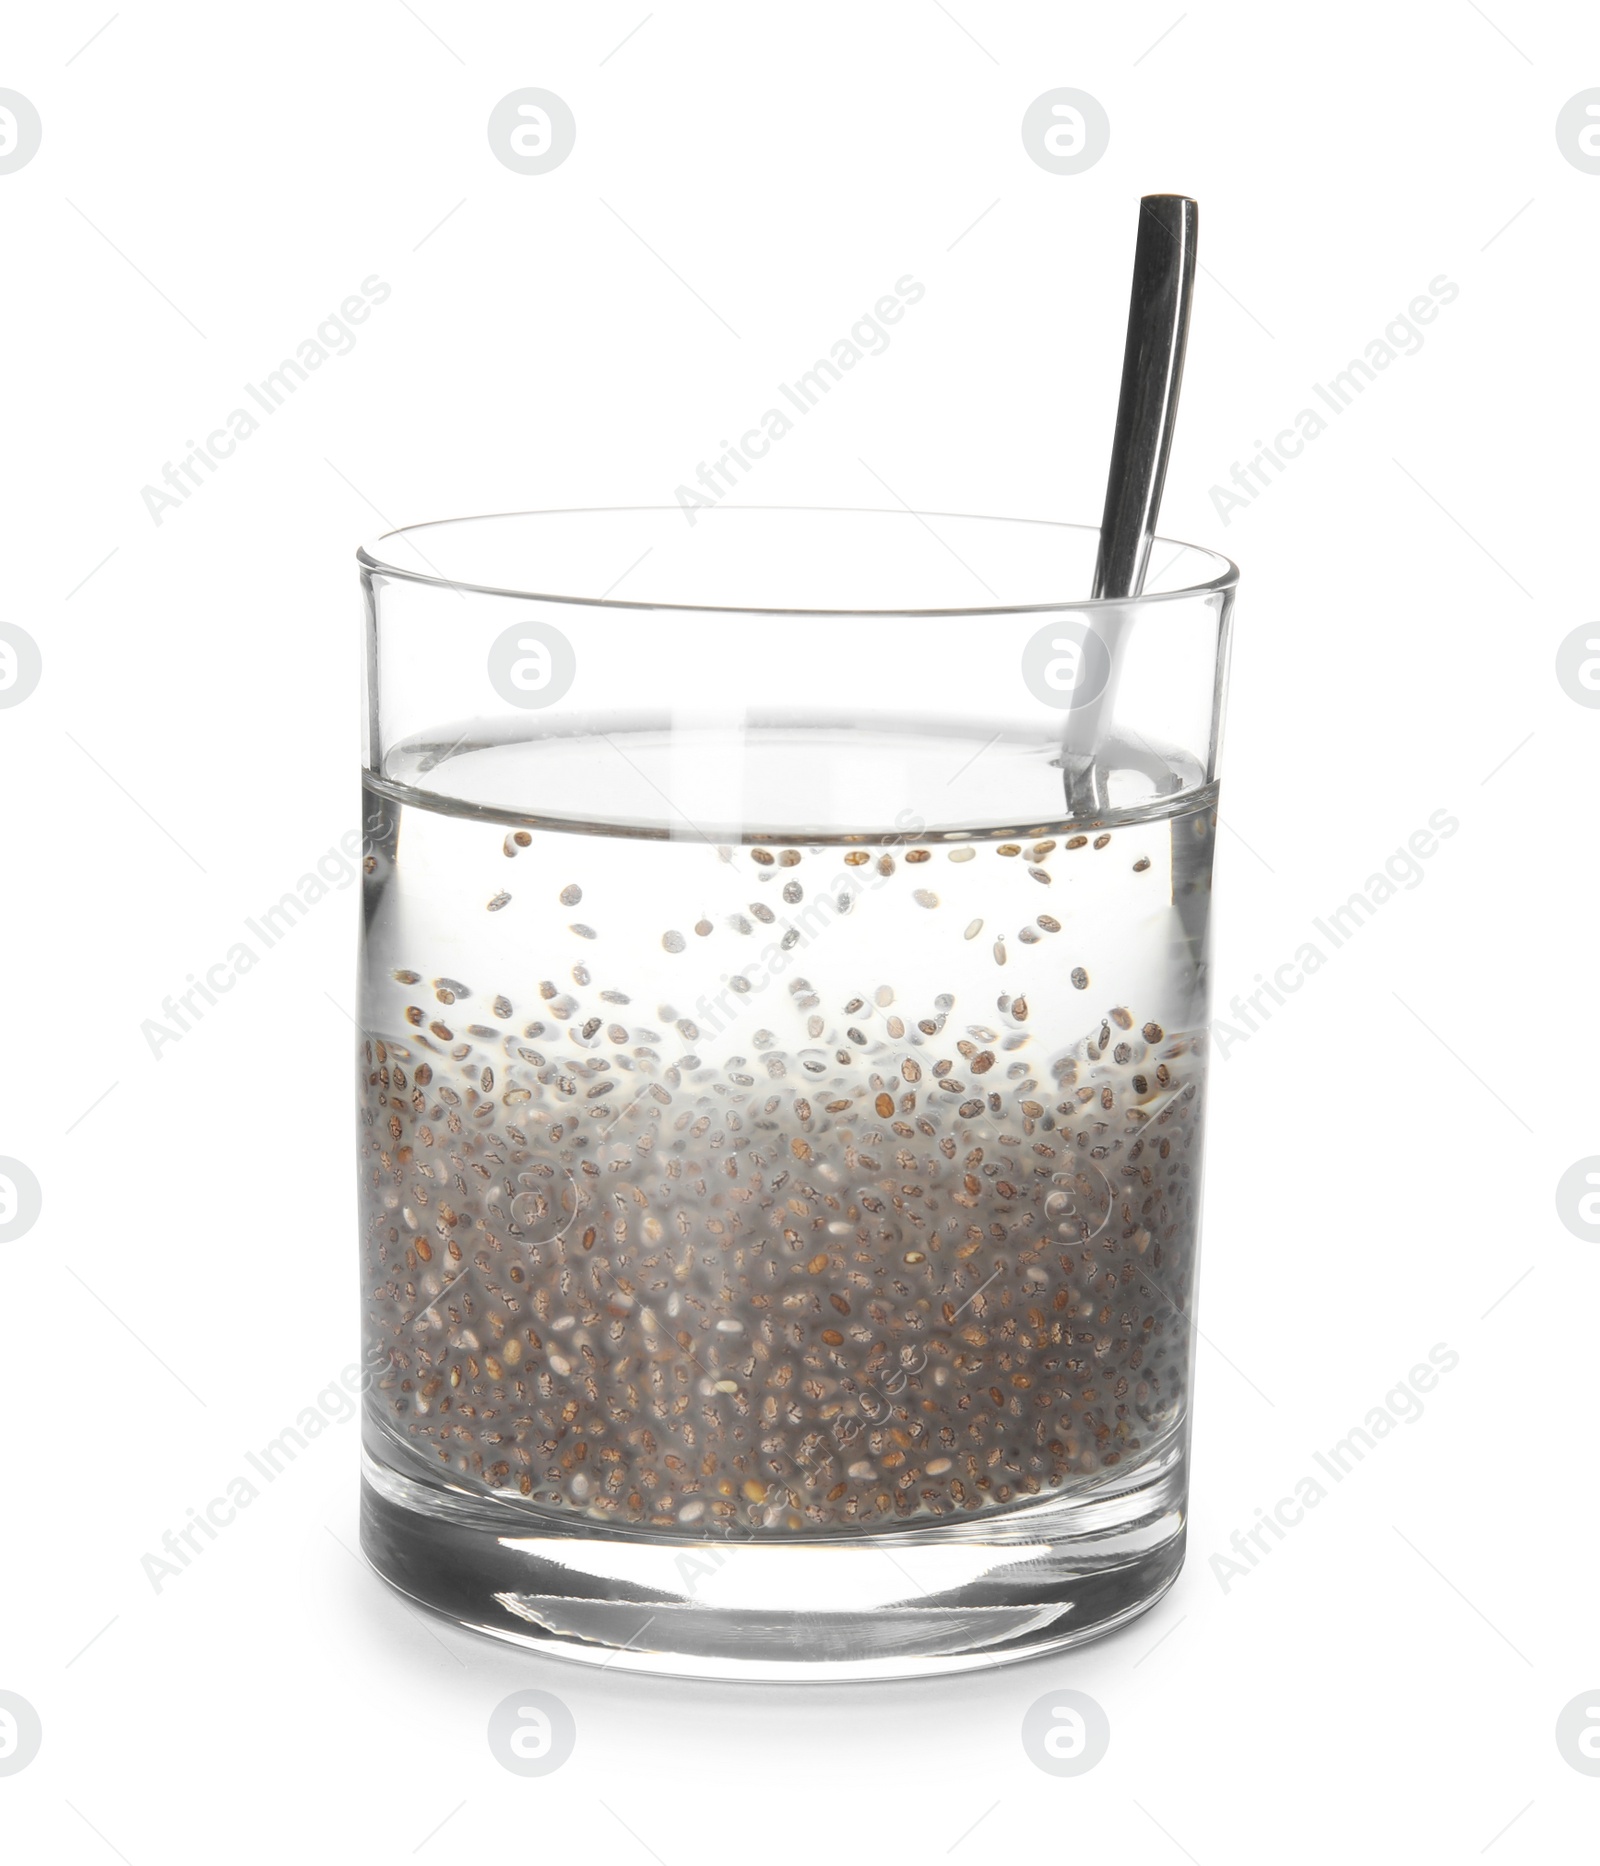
946, 1597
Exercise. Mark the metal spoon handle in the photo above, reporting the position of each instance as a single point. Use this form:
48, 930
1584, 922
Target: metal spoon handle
1152, 375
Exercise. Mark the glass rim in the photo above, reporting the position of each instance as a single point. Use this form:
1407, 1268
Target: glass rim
373, 559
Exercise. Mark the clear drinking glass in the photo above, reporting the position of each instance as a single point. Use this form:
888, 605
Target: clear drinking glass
782, 1073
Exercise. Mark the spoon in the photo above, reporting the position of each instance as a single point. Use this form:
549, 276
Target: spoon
1147, 410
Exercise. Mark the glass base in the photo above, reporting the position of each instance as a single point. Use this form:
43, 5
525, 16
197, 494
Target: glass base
908, 1603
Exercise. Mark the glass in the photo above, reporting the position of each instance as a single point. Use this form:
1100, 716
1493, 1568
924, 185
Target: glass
782, 1074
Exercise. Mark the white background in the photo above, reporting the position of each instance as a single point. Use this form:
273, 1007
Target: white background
1383, 1156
